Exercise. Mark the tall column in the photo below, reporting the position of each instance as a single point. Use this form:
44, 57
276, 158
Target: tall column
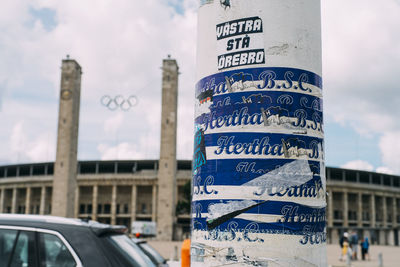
133, 203
394, 211
359, 210
167, 163
28, 200
373, 212
65, 166
14, 200
95, 201
76, 203
330, 208
114, 205
345, 209
42, 200
255, 146
384, 211
154, 203
2, 193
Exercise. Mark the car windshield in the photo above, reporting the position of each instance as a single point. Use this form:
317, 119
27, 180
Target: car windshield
152, 253
132, 251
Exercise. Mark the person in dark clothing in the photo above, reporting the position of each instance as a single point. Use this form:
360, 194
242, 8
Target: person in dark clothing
364, 248
344, 236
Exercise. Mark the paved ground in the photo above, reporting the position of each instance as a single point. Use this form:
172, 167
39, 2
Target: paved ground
391, 255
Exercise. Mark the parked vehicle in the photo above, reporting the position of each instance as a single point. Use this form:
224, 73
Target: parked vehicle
47, 241
153, 254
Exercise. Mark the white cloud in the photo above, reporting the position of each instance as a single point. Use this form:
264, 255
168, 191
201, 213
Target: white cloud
42, 149
361, 41
384, 170
113, 123
390, 149
120, 152
361, 58
22, 148
358, 165
120, 46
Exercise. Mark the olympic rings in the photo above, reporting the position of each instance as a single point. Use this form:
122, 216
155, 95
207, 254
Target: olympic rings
119, 101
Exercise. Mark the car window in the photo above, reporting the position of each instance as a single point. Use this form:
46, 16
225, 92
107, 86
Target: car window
131, 251
53, 252
7, 240
152, 253
17, 248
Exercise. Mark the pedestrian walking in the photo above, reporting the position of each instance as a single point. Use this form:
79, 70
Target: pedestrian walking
344, 243
354, 244
364, 248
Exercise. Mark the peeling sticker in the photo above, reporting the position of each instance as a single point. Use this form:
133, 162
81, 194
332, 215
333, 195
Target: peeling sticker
295, 173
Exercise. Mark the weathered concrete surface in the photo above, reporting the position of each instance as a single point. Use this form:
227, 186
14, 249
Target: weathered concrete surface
167, 165
65, 167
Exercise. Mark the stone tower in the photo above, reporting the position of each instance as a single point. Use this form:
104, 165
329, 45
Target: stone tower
65, 167
167, 163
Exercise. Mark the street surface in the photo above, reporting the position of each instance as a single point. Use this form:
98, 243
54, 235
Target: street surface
391, 255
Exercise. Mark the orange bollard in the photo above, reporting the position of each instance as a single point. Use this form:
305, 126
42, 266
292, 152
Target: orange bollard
185, 253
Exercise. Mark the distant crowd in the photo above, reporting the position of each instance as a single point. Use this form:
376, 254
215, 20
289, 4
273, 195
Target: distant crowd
349, 245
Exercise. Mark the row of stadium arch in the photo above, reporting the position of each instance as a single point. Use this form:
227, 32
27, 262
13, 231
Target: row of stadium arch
120, 192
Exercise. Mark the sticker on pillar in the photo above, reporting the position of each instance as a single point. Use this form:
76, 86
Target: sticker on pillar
269, 79
240, 42
199, 155
205, 100
225, 3
239, 81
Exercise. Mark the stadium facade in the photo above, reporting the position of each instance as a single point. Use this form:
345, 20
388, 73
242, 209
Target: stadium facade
120, 192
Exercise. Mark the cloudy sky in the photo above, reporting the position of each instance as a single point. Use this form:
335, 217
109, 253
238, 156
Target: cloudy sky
120, 45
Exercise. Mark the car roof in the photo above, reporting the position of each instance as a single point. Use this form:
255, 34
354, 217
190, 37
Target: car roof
40, 218
54, 222
138, 241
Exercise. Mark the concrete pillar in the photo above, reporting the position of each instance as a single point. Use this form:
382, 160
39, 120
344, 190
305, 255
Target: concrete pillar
95, 201
330, 209
390, 237
167, 163
394, 211
373, 213
154, 204
367, 233
384, 212
76, 208
114, 205
65, 166
133, 203
28, 200
382, 237
335, 236
359, 210
42, 200
345, 210
2, 193
14, 200
233, 86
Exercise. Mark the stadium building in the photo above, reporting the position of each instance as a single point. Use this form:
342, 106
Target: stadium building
121, 192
